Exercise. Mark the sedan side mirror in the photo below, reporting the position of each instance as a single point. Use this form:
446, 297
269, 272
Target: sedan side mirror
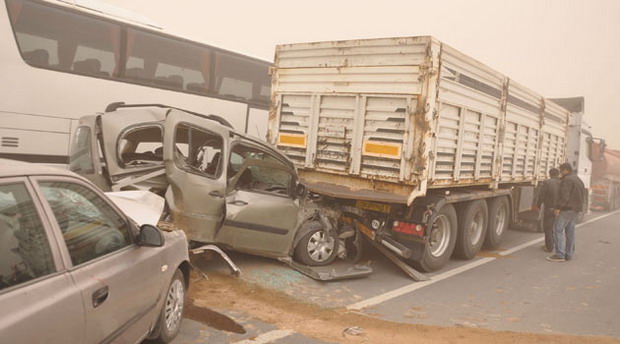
150, 236
300, 191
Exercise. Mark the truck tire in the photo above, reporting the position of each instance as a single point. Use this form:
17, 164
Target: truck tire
442, 238
473, 220
499, 217
317, 248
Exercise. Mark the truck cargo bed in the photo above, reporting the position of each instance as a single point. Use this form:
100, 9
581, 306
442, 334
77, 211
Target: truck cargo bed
395, 117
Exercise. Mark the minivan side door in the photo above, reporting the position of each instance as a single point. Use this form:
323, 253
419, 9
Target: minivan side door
39, 301
194, 154
120, 282
261, 212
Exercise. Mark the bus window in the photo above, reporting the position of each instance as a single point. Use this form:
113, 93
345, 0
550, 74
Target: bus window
241, 78
164, 62
49, 37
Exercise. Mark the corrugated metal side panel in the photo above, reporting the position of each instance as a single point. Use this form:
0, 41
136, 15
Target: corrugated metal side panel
406, 51
383, 80
385, 122
378, 66
467, 122
335, 132
554, 131
295, 117
465, 144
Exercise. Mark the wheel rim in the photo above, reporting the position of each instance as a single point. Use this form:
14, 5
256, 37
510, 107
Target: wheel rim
500, 220
174, 305
439, 237
475, 228
320, 246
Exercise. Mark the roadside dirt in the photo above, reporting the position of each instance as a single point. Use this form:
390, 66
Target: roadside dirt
224, 292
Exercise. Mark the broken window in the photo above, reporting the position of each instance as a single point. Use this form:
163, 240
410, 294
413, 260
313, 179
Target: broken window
141, 146
255, 170
24, 248
90, 227
198, 150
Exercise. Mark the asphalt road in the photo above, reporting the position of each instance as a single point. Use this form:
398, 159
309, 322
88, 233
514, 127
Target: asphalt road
513, 288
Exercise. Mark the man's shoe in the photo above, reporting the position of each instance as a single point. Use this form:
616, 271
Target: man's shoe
544, 248
555, 258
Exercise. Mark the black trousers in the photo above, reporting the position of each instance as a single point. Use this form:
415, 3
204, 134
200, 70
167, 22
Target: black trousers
548, 219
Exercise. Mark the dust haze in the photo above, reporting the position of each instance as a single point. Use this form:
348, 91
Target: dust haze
559, 48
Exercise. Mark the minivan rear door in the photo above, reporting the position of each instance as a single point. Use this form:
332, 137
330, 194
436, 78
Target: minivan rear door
132, 144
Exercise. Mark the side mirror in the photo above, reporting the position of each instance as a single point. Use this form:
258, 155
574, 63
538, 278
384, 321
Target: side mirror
150, 236
300, 191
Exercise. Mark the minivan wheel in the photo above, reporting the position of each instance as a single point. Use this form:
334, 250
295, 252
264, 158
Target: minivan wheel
441, 240
169, 323
317, 248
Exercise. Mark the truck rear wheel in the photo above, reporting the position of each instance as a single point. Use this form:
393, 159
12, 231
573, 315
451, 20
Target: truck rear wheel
499, 216
442, 238
473, 220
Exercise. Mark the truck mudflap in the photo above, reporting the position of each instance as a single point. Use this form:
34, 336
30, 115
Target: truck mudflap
339, 270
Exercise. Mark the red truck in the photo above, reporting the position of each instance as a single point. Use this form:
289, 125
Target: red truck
605, 178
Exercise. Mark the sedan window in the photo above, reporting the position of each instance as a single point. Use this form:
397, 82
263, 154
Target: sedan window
24, 248
90, 227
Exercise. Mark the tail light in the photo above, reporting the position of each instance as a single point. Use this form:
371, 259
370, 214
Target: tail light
408, 228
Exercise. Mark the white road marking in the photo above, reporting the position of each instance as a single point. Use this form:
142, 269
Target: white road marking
267, 337
418, 285
597, 218
415, 286
522, 246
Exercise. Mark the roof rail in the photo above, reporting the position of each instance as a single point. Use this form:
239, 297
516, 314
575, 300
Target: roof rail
116, 105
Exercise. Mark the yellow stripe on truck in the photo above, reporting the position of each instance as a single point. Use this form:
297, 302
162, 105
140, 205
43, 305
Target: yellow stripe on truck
295, 140
381, 149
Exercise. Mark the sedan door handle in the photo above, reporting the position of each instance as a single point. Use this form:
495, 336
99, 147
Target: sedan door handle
238, 202
100, 296
215, 194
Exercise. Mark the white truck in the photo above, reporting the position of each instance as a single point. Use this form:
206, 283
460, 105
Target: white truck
428, 151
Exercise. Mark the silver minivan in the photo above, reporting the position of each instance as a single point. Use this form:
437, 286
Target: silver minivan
75, 269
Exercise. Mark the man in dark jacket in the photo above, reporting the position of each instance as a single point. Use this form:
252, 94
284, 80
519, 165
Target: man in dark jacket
569, 203
548, 195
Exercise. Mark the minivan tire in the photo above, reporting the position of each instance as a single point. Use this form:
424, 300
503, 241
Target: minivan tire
318, 247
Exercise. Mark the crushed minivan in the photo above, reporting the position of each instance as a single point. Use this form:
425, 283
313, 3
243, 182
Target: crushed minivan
220, 186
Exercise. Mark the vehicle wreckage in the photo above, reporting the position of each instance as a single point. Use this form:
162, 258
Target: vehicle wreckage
220, 187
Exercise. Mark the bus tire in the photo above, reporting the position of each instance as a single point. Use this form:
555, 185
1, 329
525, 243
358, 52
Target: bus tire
442, 238
473, 220
499, 217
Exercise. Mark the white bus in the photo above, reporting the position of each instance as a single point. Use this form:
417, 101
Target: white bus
61, 60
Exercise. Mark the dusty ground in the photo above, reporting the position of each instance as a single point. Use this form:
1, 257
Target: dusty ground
224, 292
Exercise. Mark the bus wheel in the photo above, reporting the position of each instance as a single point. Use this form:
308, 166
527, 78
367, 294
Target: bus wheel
499, 216
442, 237
473, 219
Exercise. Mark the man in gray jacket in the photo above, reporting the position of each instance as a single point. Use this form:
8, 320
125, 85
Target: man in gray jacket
569, 203
548, 195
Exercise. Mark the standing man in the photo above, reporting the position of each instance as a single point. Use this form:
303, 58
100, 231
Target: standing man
548, 196
569, 203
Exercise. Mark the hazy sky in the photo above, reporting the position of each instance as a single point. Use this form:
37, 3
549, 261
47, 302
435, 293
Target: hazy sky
559, 48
